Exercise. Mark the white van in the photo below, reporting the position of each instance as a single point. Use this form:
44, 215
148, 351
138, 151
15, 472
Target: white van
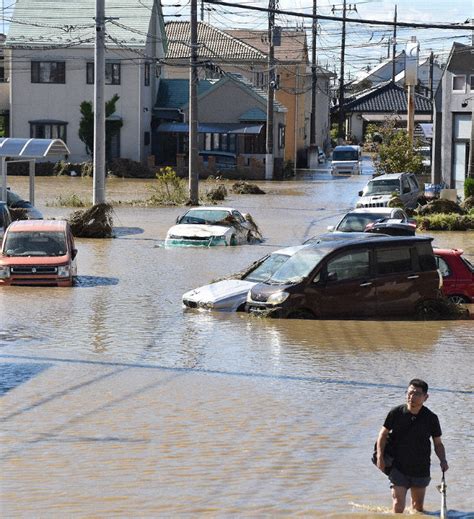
346, 160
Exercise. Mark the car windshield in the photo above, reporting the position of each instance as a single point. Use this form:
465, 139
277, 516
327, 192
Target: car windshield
34, 243
358, 222
382, 187
299, 266
264, 271
13, 198
345, 155
205, 216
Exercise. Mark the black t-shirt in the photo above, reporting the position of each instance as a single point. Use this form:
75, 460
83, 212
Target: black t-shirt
411, 435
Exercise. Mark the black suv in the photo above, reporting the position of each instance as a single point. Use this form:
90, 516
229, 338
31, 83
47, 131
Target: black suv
386, 276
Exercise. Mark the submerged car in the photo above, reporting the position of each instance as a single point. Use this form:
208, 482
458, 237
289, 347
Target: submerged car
5, 218
229, 295
209, 226
358, 219
14, 201
38, 252
458, 275
380, 190
383, 277
346, 160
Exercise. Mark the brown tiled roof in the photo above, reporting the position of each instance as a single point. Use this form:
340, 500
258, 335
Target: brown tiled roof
214, 44
293, 46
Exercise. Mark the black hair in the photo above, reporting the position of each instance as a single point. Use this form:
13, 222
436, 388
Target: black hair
417, 382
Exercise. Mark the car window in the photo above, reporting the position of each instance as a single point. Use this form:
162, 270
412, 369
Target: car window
399, 215
393, 260
203, 216
298, 266
382, 187
426, 257
238, 216
405, 186
266, 268
35, 244
443, 267
413, 183
467, 263
358, 222
349, 265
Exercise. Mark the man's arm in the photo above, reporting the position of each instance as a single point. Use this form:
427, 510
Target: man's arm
440, 452
381, 442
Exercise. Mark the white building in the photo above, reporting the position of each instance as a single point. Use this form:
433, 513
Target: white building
49, 54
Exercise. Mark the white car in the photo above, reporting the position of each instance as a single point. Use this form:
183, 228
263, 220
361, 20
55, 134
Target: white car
229, 295
358, 219
379, 191
209, 226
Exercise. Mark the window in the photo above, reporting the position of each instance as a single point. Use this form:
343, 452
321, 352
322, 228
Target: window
443, 267
147, 74
471, 82
459, 83
426, 258
48, 130
112, 73
348, 266
48, 72
281, 136
390, 261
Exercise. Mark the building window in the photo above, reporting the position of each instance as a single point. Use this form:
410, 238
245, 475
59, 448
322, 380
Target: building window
147, 74
459, 83
112, 73
48, 130
48, 72
471, 82
281, 136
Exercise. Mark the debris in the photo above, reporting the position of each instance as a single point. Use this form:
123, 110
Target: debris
18, 213
245, 188
95, 222
217, 193
440, 205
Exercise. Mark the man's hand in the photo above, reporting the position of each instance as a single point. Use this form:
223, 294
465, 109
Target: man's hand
444, 465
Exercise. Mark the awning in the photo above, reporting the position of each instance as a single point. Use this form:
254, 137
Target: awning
236, 128
400, 117
426, 129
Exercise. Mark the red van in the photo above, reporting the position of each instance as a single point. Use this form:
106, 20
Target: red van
38, 252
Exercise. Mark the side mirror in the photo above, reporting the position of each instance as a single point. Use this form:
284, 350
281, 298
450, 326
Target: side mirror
74, 253
360, 193
331, 228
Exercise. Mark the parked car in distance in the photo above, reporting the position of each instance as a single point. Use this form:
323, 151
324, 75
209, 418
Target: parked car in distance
223, 159
346, 160
379, 191
38, 252
209, 226
229, 295
457, 273
392, 227
383, 277
5, 218
358, 219
15, 201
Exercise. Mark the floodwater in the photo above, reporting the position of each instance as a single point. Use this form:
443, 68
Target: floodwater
117, 403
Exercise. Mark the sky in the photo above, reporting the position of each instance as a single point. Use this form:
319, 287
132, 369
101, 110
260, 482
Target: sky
366, 45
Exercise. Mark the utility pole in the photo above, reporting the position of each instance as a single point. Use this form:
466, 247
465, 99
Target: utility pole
341, 134
411, 79
98, 192
313, 155
269, 160
202, 10
394, 48
193, 112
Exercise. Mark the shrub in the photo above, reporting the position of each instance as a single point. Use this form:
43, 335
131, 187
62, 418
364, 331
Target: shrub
468, 204
126, 168
468, 187
440, 206
72, 200
445, 222
169, 189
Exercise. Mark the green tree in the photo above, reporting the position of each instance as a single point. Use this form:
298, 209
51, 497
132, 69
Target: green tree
396, 151
86, 125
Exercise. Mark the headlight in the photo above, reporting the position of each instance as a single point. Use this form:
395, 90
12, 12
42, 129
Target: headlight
64, 271
4, 272
277, 298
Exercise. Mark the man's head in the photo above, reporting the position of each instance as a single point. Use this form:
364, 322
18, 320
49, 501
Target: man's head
417, 394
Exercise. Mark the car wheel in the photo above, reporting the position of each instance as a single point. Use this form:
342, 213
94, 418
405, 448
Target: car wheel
301, 313
233, 240
458, 300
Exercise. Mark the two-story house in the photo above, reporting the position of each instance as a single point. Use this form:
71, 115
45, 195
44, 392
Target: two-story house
49, 54
454, 101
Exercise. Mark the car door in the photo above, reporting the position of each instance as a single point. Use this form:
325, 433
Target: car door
396, 280
345, 288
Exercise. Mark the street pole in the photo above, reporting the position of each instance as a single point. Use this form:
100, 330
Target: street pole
394, 48
270, 92
314, 78
98, 193
193, 172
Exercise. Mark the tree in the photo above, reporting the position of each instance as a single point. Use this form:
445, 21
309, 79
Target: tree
86, 125
396, 151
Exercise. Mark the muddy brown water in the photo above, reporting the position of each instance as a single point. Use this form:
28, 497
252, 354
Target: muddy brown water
117, 403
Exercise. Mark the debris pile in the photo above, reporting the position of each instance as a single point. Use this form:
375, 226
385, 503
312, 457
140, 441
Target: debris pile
217, 193
95, 222
245, 188
19, 213
440, 205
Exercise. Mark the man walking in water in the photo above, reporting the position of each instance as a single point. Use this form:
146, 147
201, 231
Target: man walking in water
411, 426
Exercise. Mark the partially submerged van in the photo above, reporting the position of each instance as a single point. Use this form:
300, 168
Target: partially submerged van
346, 160
38, 252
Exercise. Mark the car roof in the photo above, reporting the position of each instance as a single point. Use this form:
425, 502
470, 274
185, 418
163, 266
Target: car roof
347, 147
370, 210
338, 236
380, 238
389, 176
212, 208
38, 225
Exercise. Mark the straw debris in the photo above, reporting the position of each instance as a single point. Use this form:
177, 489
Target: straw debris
95, 222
